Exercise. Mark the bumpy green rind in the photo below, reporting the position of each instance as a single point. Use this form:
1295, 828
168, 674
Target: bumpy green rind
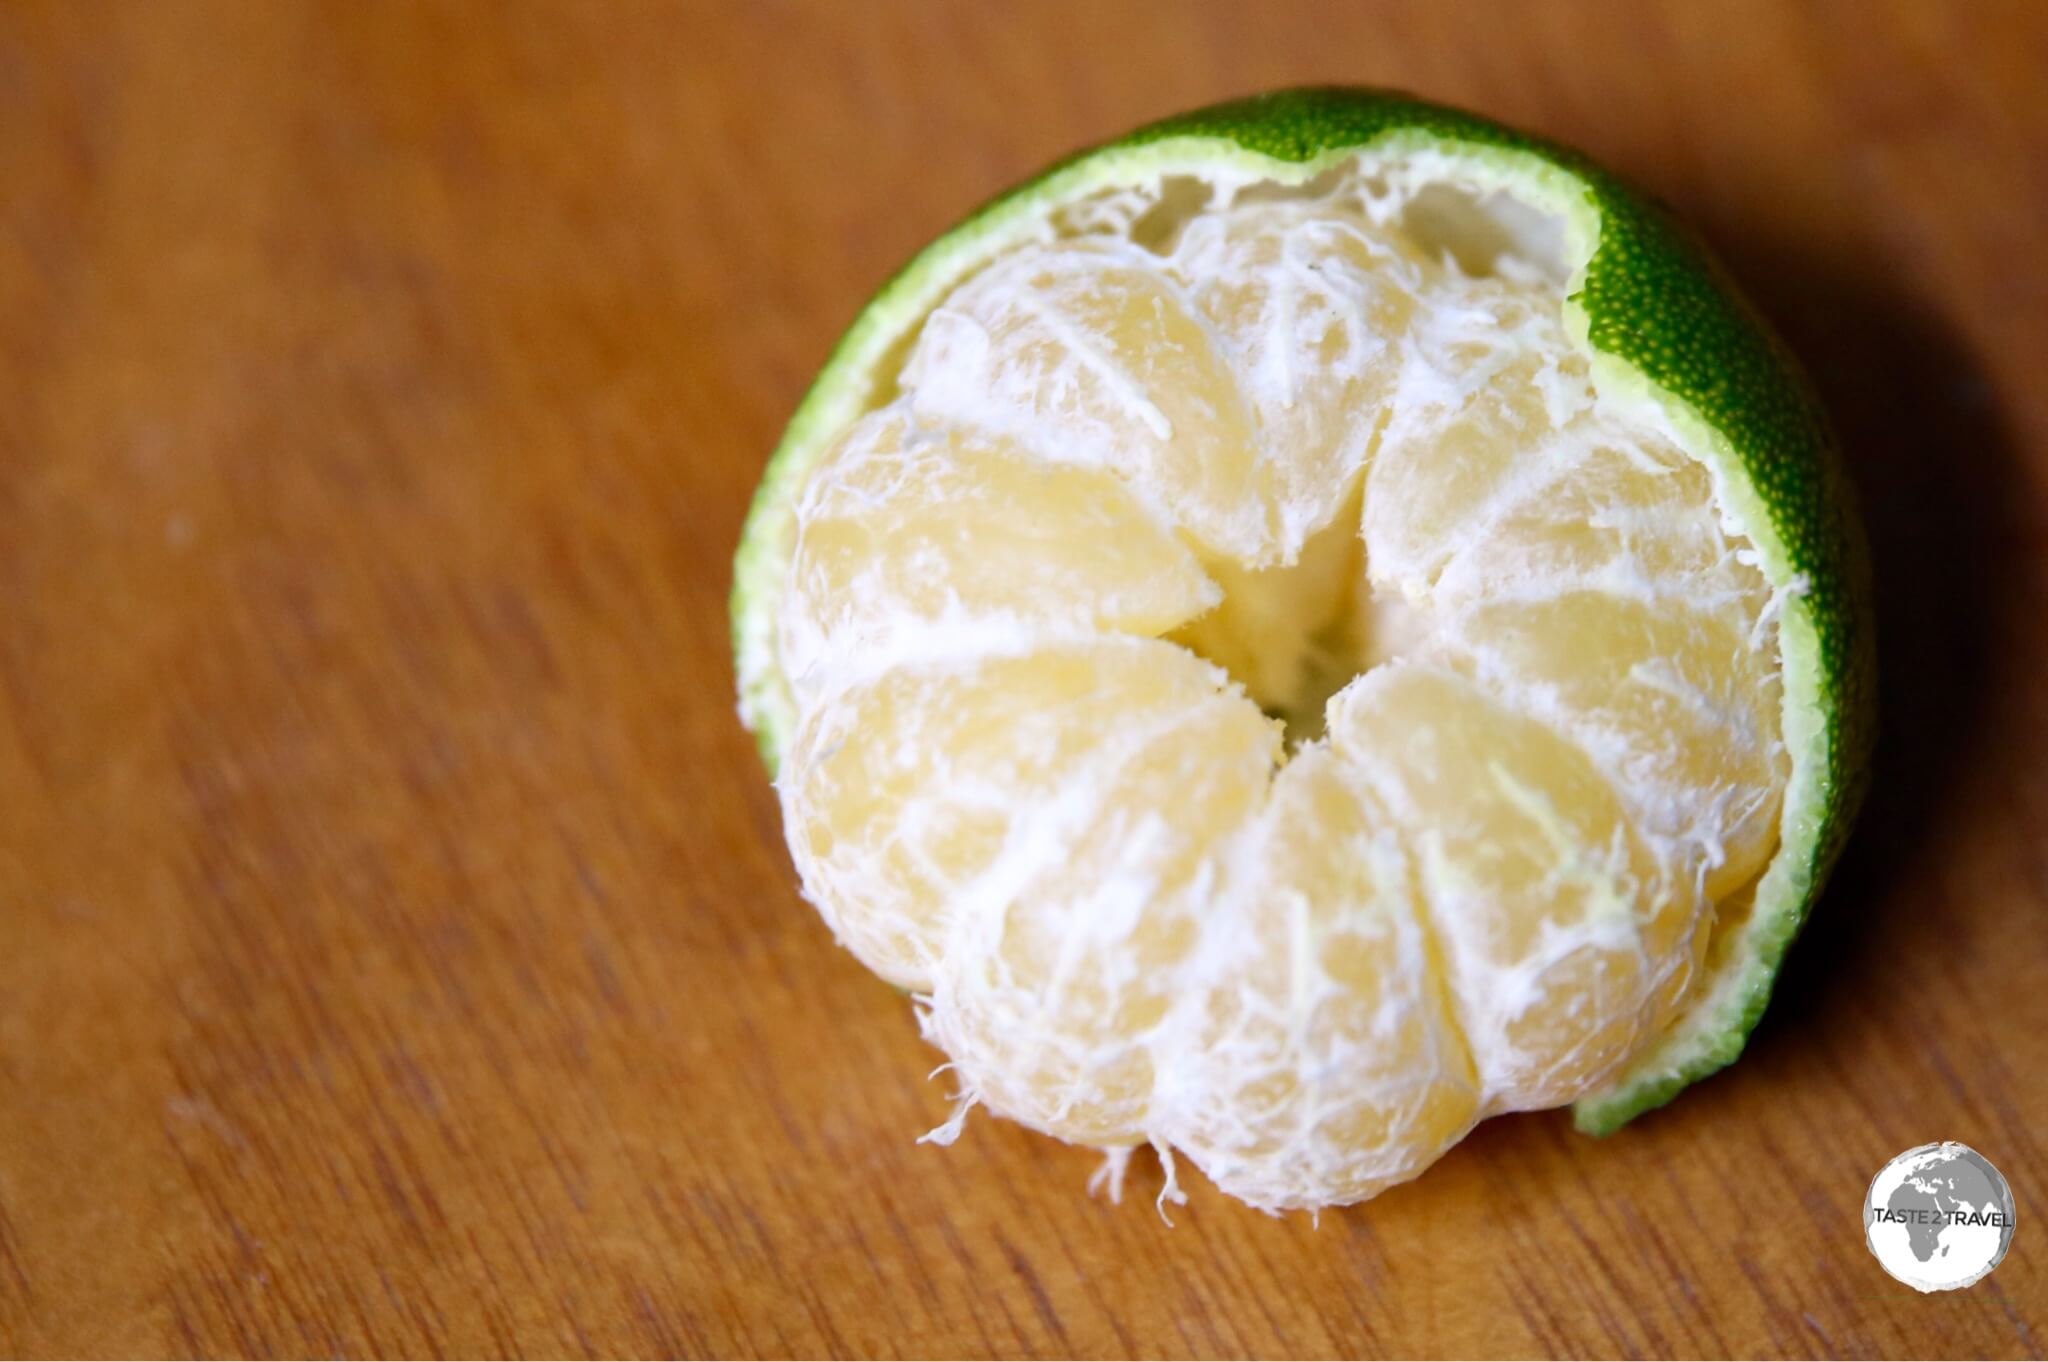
1654, 300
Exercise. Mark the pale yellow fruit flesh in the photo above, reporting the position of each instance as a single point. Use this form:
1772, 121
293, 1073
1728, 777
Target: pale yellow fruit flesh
1529, 678
1556, 924
1326, 1064
912, 531
1310, 304
1092, 356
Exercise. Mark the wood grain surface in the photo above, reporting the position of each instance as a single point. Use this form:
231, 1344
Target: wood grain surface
398, 952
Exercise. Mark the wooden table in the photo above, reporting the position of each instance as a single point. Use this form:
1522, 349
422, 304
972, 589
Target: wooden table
399, 952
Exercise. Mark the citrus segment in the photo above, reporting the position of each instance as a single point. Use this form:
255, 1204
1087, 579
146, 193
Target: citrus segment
1312, 302
1067, 960
932, 788
1634, 514
1673, 703
1490, 385
1324, 1064
913, 537
1091, 355
1558, 925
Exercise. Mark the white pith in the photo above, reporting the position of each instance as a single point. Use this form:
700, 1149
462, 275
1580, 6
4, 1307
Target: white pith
1553, 236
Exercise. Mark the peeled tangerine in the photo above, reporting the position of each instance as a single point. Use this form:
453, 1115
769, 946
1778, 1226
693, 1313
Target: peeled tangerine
1267, 705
